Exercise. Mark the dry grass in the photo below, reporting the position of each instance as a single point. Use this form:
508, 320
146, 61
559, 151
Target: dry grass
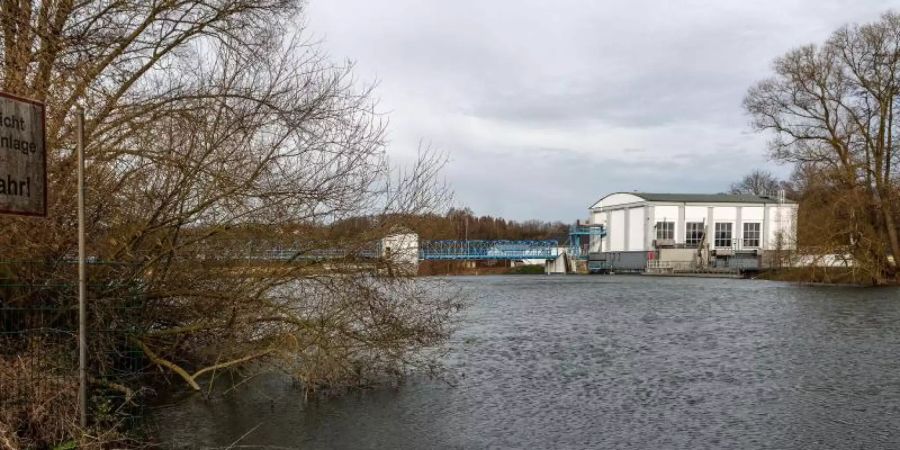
38, 408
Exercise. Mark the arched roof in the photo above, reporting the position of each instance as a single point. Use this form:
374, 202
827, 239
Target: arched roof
623, 198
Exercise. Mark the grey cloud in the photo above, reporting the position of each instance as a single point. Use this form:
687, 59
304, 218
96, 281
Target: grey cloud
541, 105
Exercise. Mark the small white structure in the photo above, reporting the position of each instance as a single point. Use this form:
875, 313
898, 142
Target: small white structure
639, 224
401, 247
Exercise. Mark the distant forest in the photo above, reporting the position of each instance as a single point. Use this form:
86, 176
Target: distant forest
463, 223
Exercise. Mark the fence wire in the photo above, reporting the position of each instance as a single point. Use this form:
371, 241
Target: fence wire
39, 342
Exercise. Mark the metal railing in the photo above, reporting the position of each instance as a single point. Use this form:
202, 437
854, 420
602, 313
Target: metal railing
483, 250
580, 237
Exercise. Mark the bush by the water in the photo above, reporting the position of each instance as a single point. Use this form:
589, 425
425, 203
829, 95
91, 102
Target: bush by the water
531, 269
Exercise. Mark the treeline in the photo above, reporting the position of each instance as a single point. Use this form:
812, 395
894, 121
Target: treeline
830, 109
462, 223
833, 220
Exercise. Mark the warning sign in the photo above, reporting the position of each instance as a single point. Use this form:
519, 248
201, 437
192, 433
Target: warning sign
23, 157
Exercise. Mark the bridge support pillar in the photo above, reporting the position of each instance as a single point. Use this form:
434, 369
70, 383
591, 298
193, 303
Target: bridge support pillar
560, 264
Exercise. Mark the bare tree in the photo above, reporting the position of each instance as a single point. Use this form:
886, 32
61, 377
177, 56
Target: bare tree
832, 106
758, 182
215, 131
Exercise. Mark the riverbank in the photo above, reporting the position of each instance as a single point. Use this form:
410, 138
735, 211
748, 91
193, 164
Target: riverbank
466, 268
808, 276
832, 276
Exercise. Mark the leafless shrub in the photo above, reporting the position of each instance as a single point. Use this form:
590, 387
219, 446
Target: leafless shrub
216, 130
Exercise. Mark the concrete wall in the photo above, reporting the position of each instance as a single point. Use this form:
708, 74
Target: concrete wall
561, 265
622, 260
616, 231
597, 244
636, 229
626, 231
695, 213
677, 254
752, 213
781, 227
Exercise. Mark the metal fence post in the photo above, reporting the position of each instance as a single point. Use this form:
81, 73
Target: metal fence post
82, 307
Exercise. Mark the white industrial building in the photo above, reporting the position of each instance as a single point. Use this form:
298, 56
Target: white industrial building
692, 229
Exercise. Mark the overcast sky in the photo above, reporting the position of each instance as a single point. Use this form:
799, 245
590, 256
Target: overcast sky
544, 106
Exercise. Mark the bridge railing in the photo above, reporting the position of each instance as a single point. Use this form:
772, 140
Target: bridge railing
580, 239
488, 249
317, 254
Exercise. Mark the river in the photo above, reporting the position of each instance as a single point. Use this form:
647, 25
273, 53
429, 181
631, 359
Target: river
624, 362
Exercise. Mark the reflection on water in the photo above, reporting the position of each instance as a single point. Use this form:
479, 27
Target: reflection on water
610, 362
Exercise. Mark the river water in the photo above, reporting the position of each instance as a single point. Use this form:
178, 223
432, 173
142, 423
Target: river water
609, 362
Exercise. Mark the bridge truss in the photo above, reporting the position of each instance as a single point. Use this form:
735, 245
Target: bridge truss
486, 249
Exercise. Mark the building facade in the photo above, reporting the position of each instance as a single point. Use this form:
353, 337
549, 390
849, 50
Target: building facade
720, 228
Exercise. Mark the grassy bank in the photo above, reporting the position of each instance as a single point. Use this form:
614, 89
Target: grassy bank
438, 268
818, 275
527, 270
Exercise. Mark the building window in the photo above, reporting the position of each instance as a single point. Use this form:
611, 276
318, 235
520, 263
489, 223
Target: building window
665, 231
751, 234
693, 234
723, 234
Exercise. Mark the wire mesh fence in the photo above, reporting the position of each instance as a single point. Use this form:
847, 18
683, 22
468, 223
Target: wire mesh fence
39, 345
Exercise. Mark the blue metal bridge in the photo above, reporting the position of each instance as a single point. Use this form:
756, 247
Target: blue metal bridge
444, 250
466, 250
482, 249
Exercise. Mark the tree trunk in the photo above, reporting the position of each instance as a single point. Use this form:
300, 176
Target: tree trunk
888, 212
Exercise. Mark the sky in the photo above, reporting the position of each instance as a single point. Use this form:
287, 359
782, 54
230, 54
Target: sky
542, 107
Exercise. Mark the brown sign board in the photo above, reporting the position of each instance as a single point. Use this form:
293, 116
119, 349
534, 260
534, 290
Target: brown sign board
23, 156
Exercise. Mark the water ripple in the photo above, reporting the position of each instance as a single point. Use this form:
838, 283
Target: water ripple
614, 362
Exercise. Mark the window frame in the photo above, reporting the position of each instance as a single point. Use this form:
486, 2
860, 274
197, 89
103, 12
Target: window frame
746, 241
719, 239
665, 230
693, 233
